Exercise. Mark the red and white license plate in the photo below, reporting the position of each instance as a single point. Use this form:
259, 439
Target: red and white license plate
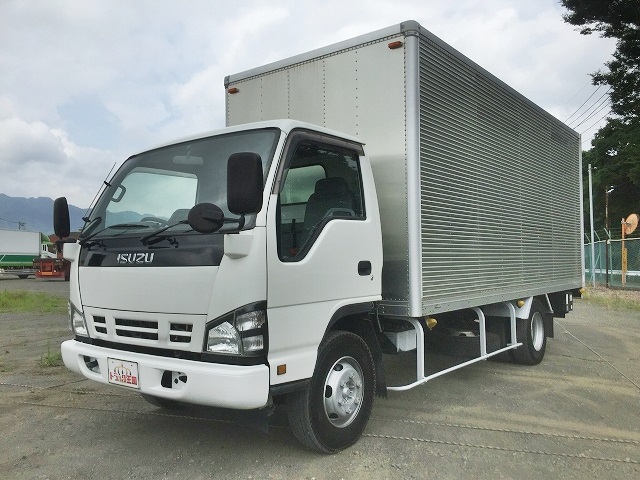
123, 373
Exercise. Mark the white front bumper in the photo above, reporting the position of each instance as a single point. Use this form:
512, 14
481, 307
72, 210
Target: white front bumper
212, 384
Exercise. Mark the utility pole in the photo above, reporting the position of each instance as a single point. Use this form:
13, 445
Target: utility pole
593, 259
607, 232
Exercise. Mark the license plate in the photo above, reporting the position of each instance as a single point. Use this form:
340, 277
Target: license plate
123, 373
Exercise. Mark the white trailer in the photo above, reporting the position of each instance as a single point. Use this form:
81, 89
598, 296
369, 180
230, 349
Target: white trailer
383, 184
18, 250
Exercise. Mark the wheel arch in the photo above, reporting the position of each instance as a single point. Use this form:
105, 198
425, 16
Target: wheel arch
358, 319
524, 312
547, 315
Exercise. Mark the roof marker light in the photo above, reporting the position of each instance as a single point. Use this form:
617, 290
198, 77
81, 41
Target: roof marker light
232, 90
394, 45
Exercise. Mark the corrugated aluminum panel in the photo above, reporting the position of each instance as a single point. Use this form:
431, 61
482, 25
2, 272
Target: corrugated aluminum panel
500, 189
498, 213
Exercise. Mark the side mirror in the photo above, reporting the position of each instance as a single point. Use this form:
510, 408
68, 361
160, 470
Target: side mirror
244, 183
206, 218
61, 224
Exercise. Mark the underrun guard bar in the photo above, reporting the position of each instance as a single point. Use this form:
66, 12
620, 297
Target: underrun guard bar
420, 360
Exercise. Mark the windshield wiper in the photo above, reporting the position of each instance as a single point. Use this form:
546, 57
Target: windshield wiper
146, 240
124, 226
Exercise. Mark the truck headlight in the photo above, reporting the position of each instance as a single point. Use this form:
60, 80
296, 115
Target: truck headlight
242, 332
77, 322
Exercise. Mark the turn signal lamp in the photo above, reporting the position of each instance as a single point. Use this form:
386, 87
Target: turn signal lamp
520, 303
431, 323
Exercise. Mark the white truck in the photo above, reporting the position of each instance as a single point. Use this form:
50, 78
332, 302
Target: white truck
19, 249
360, 192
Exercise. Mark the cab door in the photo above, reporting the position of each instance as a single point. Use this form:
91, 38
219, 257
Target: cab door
324, 252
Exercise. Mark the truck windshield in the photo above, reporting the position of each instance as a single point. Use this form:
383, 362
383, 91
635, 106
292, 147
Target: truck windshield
157, 188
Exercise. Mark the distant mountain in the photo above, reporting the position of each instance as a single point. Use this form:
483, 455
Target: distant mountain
35, 213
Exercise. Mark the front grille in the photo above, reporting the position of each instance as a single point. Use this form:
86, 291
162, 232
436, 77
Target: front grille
144, 329
136, 323
180, 332
100, 324
176, 333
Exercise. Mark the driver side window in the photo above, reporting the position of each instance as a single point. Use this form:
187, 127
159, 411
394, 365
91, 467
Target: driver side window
322, 183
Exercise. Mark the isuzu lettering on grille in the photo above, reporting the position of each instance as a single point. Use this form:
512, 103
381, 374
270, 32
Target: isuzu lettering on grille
135, 258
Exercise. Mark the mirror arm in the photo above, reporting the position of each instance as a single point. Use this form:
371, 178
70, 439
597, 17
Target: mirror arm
240, 221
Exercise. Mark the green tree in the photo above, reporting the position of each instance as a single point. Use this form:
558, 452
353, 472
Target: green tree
615, 162
615, 155
619, 19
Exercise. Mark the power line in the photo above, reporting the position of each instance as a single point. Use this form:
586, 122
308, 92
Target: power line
593, 114
576, 94
583, 104
21, 225
598, 121
10, 221
593, 105
593, 125
598, 103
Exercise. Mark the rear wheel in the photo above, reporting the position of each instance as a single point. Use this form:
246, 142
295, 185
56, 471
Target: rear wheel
533, 336
332, 412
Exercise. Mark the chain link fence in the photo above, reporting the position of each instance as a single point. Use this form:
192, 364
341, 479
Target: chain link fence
631, 279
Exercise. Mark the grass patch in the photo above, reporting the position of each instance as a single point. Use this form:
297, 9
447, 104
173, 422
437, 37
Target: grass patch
18, 301
613, 299
50, 359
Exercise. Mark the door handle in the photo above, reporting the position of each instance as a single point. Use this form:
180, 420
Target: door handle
364, 268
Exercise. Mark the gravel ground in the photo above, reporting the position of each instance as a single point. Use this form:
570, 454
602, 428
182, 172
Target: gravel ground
573, 416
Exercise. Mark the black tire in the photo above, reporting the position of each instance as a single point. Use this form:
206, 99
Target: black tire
324, 417
163, 402
532, 334
22, 277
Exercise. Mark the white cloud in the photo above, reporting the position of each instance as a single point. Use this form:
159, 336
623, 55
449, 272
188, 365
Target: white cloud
36, 160
25, 143
146, 72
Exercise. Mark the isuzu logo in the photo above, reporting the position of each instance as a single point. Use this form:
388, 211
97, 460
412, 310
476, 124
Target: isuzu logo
135, 258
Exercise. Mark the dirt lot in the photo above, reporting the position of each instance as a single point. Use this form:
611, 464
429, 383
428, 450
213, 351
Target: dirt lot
576, 415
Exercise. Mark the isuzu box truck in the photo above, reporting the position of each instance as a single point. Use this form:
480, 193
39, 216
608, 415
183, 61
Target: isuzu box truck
381, 195
19, 249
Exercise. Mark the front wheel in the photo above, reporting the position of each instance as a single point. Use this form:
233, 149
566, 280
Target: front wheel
332, 412
533, 336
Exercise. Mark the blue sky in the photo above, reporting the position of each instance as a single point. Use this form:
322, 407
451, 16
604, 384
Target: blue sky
87, 83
